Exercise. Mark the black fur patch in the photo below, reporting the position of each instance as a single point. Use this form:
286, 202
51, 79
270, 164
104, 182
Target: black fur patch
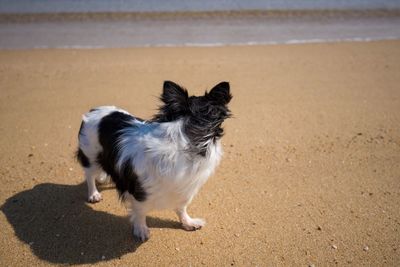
133, 184
109, 132
83, 160
204, 123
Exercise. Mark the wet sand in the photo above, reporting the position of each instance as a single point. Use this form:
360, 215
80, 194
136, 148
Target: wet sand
310, 174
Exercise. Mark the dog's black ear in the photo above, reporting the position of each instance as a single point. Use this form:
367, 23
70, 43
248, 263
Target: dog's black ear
174, 96
220, 93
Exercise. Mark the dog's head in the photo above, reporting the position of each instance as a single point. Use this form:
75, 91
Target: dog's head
177, 103
202, 115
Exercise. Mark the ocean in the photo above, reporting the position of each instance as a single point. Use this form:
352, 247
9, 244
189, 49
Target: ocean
26, 24
55, 6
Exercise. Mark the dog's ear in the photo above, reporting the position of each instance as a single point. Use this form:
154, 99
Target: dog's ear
220, 93
175, 97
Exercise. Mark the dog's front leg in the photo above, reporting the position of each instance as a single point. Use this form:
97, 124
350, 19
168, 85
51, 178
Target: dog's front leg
138, 219
188, 223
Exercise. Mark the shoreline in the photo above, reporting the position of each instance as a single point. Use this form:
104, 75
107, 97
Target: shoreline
212, 45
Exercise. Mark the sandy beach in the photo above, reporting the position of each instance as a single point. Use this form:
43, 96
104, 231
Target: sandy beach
310, 174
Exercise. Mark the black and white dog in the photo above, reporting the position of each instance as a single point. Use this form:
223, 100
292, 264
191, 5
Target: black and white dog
160, 163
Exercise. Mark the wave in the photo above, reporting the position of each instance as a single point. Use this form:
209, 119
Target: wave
219, 44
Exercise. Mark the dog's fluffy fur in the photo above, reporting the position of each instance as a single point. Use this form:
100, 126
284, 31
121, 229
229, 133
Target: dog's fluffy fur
160, 163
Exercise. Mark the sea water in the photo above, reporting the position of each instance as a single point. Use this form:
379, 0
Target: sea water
28, 24
53, 6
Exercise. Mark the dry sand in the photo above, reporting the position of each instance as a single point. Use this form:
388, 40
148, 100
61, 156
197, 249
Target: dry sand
310, 175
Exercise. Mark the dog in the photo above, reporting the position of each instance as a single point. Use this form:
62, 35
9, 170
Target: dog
160, 163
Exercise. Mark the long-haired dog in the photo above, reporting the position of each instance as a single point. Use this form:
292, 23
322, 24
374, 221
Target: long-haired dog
160, 163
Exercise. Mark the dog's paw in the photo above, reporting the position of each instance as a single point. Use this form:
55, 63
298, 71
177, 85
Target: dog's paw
141, 233
193, 224
95, 197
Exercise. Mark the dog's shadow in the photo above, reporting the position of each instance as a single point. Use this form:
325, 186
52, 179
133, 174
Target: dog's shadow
60, 227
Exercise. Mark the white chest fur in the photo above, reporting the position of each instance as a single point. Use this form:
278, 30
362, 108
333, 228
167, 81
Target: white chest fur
167, 171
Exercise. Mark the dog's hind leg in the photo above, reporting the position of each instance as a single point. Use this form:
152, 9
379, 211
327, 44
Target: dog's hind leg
90, 174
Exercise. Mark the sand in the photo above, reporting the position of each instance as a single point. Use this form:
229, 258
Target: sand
310, 174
